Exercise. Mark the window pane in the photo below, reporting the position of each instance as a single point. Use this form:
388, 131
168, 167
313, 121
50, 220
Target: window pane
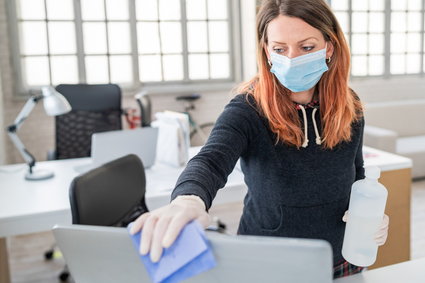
119, 37
217, 9
198, 66
343, 20
150, 68
121, 69
376, 44
340, 5
97, 69
64, 69
218, 36
359, 22
62, 38
376, 22
414, 5
398, 43
94, 35
173, 67
171, 37
197, 36
398, 64
359, 67
398, 22
377, 5
413, 42
360, 5
359, 44
60, 9
93, 9
36, 71
30, 9
219, 66
34, 38
414, 21
413, 63
146, 9
117, 9
376, 65
169, 9
148, 37
398, 4
196, 9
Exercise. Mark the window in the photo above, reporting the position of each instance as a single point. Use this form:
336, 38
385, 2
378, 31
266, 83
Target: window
128, 42
386, 36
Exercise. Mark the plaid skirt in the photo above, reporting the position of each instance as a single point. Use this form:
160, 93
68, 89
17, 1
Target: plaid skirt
345, 268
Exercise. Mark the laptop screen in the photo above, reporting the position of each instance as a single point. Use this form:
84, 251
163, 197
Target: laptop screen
107, 146
106, 254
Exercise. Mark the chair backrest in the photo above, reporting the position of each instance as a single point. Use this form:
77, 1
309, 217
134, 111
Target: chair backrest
145, 105
95, 108
110, 195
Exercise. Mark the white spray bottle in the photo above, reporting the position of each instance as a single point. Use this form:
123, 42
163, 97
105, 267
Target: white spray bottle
365, 214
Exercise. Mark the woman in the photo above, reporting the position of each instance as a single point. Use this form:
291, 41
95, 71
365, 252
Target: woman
297, 128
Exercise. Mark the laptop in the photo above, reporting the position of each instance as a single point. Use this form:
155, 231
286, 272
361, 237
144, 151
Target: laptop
107, 255
107, 146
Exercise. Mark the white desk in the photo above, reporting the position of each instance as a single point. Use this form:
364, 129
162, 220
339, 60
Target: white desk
34, 206
406, 272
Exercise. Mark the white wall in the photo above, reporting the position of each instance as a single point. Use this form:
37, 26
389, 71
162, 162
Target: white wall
249, 64
2, 126
397, 88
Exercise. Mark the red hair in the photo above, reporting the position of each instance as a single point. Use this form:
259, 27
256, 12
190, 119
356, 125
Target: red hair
339, 106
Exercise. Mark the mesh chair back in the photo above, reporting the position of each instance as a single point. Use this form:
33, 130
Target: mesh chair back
110, 195
95, 108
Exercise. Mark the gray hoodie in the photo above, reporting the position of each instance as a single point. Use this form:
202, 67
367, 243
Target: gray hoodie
291, 192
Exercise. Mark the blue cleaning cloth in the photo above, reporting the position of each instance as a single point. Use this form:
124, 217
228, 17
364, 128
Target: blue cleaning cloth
189, 255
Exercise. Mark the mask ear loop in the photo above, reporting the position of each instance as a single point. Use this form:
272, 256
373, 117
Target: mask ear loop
270, 63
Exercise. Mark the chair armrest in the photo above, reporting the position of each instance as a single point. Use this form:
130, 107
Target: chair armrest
51, 154
380, 138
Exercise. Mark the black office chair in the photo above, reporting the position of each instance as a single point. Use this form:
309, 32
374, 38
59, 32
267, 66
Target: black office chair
95, 108
110, 195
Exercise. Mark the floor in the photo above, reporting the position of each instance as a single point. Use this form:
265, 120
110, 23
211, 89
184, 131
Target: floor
28, 264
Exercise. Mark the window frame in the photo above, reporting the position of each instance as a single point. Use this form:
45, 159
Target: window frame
181, 86
387, 42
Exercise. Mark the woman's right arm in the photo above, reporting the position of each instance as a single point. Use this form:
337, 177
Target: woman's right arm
198, 184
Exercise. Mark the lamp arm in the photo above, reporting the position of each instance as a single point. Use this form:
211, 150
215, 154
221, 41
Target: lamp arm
25, 111
12, 129
29, 158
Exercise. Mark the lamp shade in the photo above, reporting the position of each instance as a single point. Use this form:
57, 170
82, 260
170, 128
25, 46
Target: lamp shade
54, 103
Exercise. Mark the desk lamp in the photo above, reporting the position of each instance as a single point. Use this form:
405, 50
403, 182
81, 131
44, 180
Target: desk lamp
54, 104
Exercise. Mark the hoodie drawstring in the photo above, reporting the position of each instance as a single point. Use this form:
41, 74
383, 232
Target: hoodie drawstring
316, 131
305, 143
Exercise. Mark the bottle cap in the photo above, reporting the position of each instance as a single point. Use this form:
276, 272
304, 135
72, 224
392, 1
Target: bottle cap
372, 172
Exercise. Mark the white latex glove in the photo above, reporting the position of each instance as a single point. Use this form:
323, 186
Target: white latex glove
382, 233
162, 226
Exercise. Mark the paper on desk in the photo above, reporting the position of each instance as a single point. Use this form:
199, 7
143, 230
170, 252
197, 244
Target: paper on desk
189, 255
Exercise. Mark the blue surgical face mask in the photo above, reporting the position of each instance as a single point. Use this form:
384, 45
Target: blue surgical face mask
300, 73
